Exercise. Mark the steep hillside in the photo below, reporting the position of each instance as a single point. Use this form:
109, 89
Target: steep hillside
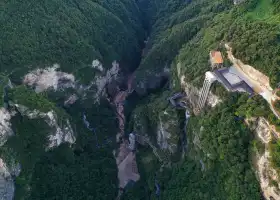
72, 33
178, 50
57, 126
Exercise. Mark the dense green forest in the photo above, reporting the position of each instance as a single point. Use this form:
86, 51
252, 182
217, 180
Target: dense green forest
26, 147
252, 30
255, 42
66, 172
71, 33
253, 36
224, 148
37, 34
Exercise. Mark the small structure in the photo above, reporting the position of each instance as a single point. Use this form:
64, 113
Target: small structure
216, 59
176, 100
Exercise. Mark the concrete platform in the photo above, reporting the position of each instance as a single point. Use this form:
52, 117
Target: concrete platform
233, 81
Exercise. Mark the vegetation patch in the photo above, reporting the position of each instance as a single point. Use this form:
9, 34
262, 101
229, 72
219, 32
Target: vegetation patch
265, 11
34, 101
274, 149
26, 147
3, 88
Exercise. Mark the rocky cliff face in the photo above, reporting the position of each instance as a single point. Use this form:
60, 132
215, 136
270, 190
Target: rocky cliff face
61, 132
7, 171
5, 125
101, 81
6, 180
265, 172
151, 81
9, 167
49, 78
168, 130
192, 93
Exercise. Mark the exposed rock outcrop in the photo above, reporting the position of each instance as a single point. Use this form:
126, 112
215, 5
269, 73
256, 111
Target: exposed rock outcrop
62, 132
236, 2
5, 125
50, 78
151, 82
71, 99
101, 81
265, 171
44, 79
96, 64
192, 93
168, 131
7, 186
12, 168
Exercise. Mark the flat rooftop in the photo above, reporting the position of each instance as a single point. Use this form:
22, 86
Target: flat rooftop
232, 80
216, 57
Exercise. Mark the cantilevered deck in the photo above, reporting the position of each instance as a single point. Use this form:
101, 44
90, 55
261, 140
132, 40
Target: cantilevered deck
232, 81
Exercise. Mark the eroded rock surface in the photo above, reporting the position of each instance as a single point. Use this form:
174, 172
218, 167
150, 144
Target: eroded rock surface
265, 171
44, 79
192, 93
5, 125
61, 132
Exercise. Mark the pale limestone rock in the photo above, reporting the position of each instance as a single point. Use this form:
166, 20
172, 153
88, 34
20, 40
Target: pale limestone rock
44, 79
5, 125
264, 169
236, 2
7, 186
61, 133
263, 130
266, 172
101, 81
164, 135
71, 100
97, 65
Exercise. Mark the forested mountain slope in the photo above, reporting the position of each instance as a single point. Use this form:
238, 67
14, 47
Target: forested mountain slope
182, 36
71, 33
185, 24
56, 59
